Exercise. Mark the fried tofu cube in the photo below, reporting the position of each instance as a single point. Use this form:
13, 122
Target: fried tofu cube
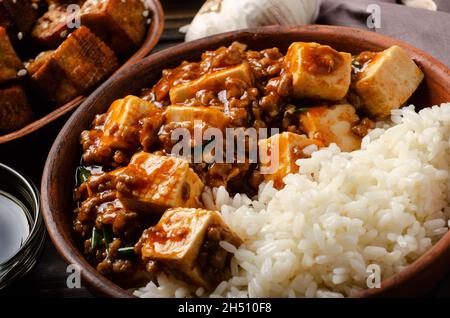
80, 63
213, 81
121, 128
35, 64
57, 92
332, 125
15, 111
85, 58
153, 183
279, 153
208, 116
18, 15
52, 28
387, 81
318, 71
121, 24
186, 243
10, 64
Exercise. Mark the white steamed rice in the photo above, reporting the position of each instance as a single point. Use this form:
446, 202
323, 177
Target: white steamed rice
385, 204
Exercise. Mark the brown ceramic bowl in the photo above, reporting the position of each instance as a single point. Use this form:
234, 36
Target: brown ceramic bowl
57, 181
154, 32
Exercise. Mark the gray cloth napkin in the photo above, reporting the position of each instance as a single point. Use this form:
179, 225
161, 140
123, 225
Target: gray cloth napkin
427, 30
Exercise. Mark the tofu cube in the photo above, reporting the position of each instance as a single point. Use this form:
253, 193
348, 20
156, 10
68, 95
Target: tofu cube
279, 153
18, 15
213, 81
185, 243
15, 111
332, 125
121, 24
121, 128
35, 64
52, 28
51, 82
208, 116
80, 63
387, 81
318, 71
10, 64
85, 59
153, 183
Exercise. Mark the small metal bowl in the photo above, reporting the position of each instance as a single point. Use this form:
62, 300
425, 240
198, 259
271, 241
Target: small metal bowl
18, 188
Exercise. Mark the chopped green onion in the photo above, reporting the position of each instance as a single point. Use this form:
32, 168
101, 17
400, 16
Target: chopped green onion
96, 239
301, 109
107, 235
83, 175
126, 252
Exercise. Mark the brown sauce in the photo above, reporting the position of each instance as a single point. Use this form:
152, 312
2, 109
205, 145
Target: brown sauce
321, 60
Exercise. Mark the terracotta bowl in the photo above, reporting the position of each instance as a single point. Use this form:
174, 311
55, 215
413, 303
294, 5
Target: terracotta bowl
57, 181
154, 32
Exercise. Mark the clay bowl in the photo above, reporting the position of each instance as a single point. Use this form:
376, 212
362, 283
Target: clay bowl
154, 32
57, 180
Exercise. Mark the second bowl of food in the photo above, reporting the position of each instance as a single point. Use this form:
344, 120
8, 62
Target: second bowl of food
276, 162
54, 53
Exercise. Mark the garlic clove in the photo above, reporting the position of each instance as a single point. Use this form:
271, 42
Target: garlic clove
421, 4
217, 16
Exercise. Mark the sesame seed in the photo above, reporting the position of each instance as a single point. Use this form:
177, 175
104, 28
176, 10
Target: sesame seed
22, 72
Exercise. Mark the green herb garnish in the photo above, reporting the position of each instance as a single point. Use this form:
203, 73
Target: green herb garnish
126, 252
83, 175
96, 239
300, 109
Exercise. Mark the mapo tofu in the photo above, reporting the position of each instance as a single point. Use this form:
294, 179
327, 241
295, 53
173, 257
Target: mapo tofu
186, 243
120, 132
152, 183
291, 105
280, 152
318, 71
332, 125
386, 80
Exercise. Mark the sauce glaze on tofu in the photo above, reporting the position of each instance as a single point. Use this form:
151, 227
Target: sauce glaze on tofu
140, 208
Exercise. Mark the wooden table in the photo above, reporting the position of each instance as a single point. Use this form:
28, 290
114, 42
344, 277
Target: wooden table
48, 278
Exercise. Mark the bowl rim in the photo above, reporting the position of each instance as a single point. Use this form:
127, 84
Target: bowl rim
152, 37
106, 287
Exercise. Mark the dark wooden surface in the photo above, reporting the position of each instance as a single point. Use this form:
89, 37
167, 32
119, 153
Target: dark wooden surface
48, 278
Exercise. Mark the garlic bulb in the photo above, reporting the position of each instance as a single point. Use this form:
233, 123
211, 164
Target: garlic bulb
421, 4
217, 16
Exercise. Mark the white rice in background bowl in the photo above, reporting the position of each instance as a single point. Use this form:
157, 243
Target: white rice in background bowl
383, 205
